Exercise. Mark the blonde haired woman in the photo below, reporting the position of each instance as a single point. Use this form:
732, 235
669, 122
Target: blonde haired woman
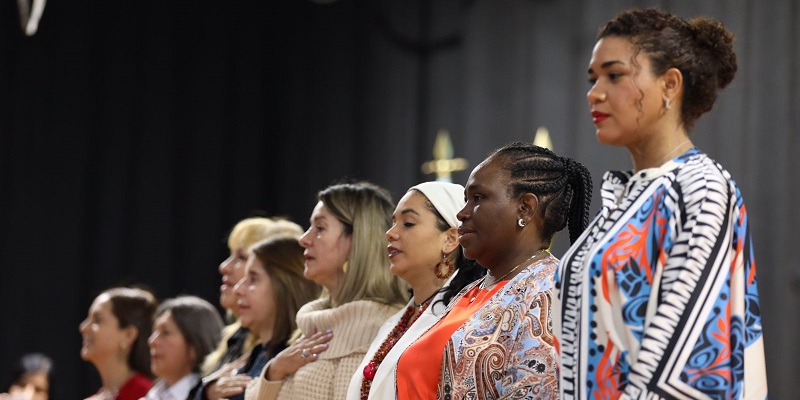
345, 253
237, 342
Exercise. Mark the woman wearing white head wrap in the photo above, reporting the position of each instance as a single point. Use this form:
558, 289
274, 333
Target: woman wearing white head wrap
424, 251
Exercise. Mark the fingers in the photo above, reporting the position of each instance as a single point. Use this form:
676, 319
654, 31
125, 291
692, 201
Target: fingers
228, 386
315, 339
310, 347
235, 380
324, 336
315, 350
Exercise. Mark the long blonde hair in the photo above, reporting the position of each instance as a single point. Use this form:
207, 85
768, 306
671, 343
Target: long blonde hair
365, 210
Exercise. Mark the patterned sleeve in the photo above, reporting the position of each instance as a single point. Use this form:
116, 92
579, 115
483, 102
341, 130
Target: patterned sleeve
704, 338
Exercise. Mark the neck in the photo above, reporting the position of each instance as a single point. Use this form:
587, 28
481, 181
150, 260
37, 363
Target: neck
174, 379
656, 152
114, 374
265, 335
519, 252
495, 275
424, 286
333, 289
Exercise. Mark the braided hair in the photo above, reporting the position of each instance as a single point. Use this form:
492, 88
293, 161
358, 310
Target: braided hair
562, 185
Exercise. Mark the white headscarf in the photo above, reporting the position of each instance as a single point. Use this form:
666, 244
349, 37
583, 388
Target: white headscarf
447, 198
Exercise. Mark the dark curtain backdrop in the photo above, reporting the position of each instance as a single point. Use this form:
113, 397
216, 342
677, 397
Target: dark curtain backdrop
134, 134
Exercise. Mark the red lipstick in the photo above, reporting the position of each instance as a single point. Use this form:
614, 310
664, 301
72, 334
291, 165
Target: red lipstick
598, 117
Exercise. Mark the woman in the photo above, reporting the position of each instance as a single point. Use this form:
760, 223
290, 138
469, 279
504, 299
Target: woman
659, 298
423, 251
345, 254
271, 293
185, 330
237, 341
495, 341
115, 341
31, 379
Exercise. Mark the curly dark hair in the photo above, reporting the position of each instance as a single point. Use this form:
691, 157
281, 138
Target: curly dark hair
562, 185
701, 48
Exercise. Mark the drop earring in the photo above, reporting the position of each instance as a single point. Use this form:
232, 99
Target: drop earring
666, 103
444, 268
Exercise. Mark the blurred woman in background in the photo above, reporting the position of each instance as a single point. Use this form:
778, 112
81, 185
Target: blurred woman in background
271, 293
115, 341
31, 378
236, 340
185, 330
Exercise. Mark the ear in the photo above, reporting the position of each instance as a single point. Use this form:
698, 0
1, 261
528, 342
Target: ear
192, 354
450, 240
130, 333
672, 84
528, 206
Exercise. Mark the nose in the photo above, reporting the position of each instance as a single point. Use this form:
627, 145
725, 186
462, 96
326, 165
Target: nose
152, 338
304, 239
595, 95
237, 289
463, 214
391, 234
225, 265
83, 325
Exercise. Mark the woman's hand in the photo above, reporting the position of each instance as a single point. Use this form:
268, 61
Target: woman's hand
303, 351
227, 386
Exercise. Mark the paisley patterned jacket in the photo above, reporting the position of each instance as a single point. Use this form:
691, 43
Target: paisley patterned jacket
506, 350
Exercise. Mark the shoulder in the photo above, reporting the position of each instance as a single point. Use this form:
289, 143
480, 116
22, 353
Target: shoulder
699, 172
367, 309
361, 312
701, 185
135, 388
314, 305
539, 275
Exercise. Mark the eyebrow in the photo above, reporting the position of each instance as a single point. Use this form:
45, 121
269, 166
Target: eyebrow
605, 65
472, 187
409, 211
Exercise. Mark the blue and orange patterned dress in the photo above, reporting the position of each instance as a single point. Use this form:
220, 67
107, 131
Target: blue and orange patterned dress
658, 298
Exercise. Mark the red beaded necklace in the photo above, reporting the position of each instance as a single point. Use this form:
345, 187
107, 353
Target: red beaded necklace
412, 313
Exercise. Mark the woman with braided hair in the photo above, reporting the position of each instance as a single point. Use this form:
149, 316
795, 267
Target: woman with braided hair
495, 339
658, 298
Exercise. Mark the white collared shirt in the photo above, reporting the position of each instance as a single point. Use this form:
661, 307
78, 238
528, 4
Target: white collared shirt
179, 391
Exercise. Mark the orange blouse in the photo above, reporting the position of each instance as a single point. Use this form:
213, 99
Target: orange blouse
419, 366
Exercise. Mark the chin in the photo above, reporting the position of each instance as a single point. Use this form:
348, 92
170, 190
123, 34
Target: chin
396, 269
467, 253
609, 138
